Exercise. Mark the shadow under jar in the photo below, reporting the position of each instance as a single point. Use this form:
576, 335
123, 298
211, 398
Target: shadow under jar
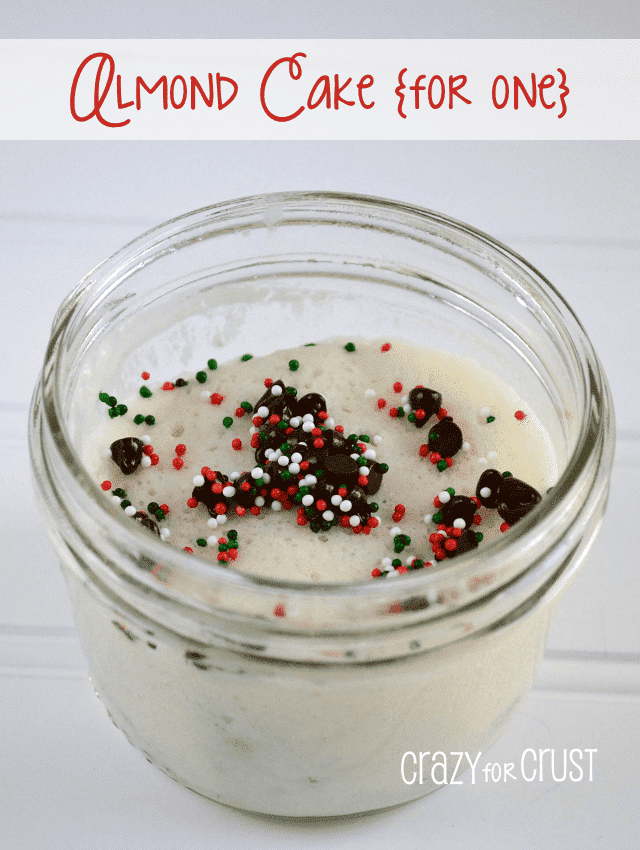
310, 714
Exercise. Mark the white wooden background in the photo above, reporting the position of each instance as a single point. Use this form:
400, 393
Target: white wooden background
68, 779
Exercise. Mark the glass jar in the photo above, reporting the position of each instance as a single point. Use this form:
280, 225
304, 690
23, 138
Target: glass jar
324, 711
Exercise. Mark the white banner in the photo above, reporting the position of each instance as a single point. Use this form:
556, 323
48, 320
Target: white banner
533, 89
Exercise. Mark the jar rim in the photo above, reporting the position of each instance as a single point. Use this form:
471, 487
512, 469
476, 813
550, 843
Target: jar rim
594, 445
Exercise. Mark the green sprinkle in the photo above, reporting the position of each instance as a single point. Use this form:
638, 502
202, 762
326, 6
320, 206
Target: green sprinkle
291, 391
227, 422
122, 409
507, 475
125, 503
451, 491
364, 438
319, 473
104, 397
491, 418
159, 514
353, 437
286, 475
282, 425
442, 465
212, 364
437, 517
246, 406
201, 377
349, 347
309, 344
246, 357
150, 420
417, 564
285, 448
406, 539
113, 412
152, 507
201, 541
401, 412
411, 417
232, 544
384, 468
396, 562
374, 506
294, 365
260, 482
479, 536
138, 419
362, 461
112, 401
181, 382
119, 492
398, 547
232, 534
145, 392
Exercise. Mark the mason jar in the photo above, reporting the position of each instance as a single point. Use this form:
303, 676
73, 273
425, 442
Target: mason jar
326, 710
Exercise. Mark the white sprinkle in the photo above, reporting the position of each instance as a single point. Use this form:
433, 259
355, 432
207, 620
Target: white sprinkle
263, 412
222, 519
205, 394
330, 422
485, 411
294, 468
369, 393
145, 462
253, 430
198, 480
328, 515
233, 476
364, 470
212, 523
107, 453
259, 501
228, 491
345, 506
146, 439
482, 461
395, 530
267, 478
268, 453
256, 472
276, 454
308, 426
392, 573
308, 417
492, 455
130, 510
283, 460
409, 560
427, 518
276, 506
377, 439
336, 499
466, 446
354, 520
276, 389
370, 454
164, 533
386, 562
405, 399
310, 479
376, 517
406, 408
459, 523
444, 497
485, 492
212, 541
296, 457
116, 500
295, 422
355, 456
307, 500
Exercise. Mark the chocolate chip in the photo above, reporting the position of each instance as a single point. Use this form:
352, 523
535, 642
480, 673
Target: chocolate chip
492, 480
149, 523
341, 469
375, 478
466, 542
422, 398
516, 499
127, 454
310, 403
445, 438
458, 507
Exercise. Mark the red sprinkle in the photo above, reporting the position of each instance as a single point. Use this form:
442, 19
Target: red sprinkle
520, 415
440, 554
241, 511
220, 508
505, 527
363, 480
342, 492
442, 413
477, 519
233, 554
268, 383
217, 487
273, 420
393, 412
148, 449
381, 403
316, 432
449, 461
165, 509
145, 376
257, 421
216, 398
423, 451
155, 460
373, 522
223, 556
301, 520
322, 415
106, 485
376, 572
357, 529
255, 441
434, 537
178, 463
339, 429
402, 570
420, 413
240, 411
434, 457
437, 503
180, 449
237, 444
292, 490
192, 503
318, 443
321, 505
255, 510
450, 545
397, 387
304, 464
279, 611
400, 509
344, 521
188, 549
385, 347
366, 529
168, 386
457, 532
